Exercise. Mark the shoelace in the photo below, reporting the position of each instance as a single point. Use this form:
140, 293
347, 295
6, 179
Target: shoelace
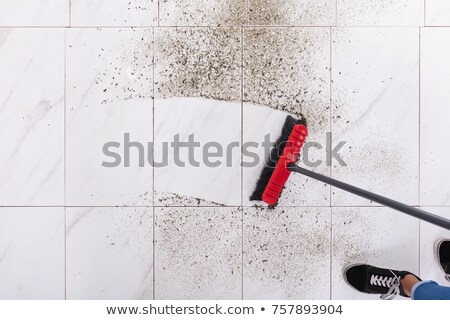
391, 282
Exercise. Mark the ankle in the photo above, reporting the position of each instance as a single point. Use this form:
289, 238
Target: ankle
408, 282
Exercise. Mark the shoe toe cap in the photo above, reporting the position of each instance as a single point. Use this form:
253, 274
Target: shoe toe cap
356, 276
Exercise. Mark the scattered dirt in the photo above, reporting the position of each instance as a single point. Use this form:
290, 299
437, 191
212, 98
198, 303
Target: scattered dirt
198, 62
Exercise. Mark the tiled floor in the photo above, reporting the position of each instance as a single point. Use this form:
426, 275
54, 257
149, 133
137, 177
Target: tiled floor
77, 74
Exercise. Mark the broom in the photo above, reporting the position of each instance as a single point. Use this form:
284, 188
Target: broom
282, 162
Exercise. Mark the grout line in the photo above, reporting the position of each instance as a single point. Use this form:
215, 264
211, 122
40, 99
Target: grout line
331, 208
242, 159
242, 253
331, 253
153, 152
65, 163
242, 114
228, 206
420, 151
331, 98
70, 13
65, 253
210, 26
420, 108
153, 253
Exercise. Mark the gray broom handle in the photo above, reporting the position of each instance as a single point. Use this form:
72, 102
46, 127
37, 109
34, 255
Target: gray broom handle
417, 213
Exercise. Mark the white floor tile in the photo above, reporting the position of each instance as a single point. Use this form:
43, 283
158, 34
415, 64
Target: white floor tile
380, 12
430, 235
214, 127
109, 253
377, 236
287, 253
437, 13
45, 13
32, 117
109, 95
376, 112
120, 13
434, 112
202, 12
32, 253
198, 253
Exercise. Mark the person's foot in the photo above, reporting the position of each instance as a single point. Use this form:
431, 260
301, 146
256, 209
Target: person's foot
369, 279
443, 254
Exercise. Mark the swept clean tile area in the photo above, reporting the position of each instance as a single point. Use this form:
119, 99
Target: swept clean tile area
210, 172
109, 253
376, 236
202, 12
437, 13
380, 12
292, 75
376, 112
435, 81
430, 236
198, 253
32, 253
31, 114
287, 253
119, 13
34, 13
292, 12
109, 117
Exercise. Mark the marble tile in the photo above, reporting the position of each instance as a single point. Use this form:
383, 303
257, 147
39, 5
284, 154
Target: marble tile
198, 86
380, 12
34, 13
437, 13
202, 12
375, 112
434, 112
292, 12
376, 236
109, 253
287, 253
109, 99
430, 236
291, 75
118, 13
198, 253
31, 115
32, 253
215, 127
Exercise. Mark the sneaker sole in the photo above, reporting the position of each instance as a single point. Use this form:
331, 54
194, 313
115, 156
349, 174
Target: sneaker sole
437, 247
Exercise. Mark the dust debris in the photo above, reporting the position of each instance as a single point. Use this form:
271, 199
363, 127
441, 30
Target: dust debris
198, 62
291, 74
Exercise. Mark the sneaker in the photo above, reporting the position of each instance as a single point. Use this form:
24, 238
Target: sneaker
443, 254
369, 279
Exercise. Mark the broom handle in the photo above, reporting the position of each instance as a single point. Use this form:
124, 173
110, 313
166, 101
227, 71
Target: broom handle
417, 213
